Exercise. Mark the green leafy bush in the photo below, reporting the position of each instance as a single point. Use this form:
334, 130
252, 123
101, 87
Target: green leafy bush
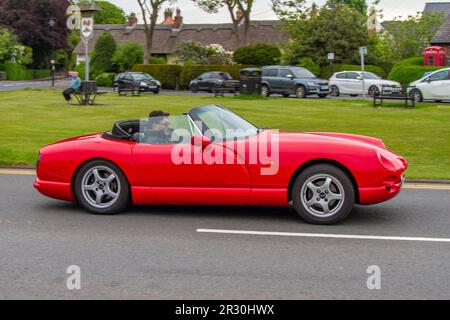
257, 54
168, 74
42, 73
16, 71
415, 61
105, 47
190, 72
105, 79
309, 64
157, 60
407, 74
127, 55
328, 71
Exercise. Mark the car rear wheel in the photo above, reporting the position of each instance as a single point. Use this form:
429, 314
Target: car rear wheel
334, 91
300, 92
323, 194
265, 91
101, 188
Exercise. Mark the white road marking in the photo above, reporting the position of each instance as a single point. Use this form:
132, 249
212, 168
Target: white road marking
322, 235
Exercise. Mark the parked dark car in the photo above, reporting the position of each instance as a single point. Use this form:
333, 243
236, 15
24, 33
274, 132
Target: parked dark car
210, 81
287, 80
145, 82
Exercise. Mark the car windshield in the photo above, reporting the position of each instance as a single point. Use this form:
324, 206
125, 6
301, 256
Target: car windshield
302, 73
222, 124
371, 76
141, 77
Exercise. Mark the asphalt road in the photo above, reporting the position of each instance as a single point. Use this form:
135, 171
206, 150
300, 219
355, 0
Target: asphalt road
158, 253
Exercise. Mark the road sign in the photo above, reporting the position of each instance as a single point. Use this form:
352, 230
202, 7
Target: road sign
330, 55
363, 51
87, 27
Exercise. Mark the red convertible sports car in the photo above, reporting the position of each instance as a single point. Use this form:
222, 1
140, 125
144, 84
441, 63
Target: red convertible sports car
192, 159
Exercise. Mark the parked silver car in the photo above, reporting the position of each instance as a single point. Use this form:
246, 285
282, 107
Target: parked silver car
351, 83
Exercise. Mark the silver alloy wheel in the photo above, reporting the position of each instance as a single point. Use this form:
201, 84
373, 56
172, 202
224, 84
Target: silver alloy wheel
300, 92
265, 91
417, 96
100, 187
373, 91
322, 195
334, 91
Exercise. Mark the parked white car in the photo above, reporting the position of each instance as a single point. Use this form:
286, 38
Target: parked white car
433, 86
351, 83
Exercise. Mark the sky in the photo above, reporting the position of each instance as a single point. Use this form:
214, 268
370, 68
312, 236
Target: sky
262, 9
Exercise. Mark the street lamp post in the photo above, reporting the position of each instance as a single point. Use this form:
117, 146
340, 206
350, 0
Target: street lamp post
52, 24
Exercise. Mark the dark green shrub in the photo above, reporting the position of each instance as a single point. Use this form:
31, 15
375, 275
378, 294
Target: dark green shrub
257, 54
16, 71
190, 72
415, 61
157, 60
328, 71
3, 76
105, 47
407, 74
105, 79
168, 74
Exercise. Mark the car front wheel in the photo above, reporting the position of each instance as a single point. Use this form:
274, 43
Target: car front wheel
417, 96
334, 91
323, 194
300, 92
374, 91
265, 91
101, 188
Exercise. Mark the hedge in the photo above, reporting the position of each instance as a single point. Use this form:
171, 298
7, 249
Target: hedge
407, 74
168, 74
16, 71
105, 79
328, 71
409, 70
174, 76
43, 73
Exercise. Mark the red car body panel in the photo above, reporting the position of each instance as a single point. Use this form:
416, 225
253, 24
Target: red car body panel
154, 179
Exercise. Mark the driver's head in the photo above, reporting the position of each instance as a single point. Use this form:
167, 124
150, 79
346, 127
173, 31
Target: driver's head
158, 120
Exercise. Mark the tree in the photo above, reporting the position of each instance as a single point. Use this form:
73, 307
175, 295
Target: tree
29, 19
10, 49
317, 31
239, 10
150, 12
408, 38
105, 47
110, 13
191, 52
127, 55
359, 5
257, 54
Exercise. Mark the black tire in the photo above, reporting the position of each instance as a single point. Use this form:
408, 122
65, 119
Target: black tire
374, 91
323, 96
340, 185
334, 91
417, 95
123, 191
286, 95
265, 91
157, 91
300, 92
194, 89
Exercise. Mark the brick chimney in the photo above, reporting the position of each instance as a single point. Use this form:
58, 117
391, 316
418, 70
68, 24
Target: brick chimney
132, 20
168, 17
178, 22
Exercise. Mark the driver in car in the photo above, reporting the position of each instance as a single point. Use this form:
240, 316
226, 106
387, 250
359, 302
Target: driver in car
158, 131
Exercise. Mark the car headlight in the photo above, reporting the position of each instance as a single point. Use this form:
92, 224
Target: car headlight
143, 84
385, 162
312, 84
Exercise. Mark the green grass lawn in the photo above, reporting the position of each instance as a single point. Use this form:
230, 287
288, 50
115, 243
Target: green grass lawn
32, 118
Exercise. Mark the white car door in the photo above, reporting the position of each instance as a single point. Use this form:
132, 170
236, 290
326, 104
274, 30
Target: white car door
437, 86
340, 80
354, 83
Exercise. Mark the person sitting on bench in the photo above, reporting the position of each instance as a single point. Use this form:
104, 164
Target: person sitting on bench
74, 86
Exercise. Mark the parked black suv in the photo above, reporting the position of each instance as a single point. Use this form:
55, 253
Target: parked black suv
287, 80
210, 81
144, 81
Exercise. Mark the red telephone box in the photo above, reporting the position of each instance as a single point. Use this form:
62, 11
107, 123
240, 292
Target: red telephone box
435, 57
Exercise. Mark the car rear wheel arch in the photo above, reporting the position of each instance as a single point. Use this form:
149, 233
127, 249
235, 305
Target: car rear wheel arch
314, 162
74, 176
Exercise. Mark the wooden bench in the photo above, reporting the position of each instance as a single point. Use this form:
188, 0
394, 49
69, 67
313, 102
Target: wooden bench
391, 93
231, 86
88, 93
129, 87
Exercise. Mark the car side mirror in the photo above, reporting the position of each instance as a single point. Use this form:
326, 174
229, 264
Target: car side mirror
359, 78
290, 76
428, 80
201, 141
